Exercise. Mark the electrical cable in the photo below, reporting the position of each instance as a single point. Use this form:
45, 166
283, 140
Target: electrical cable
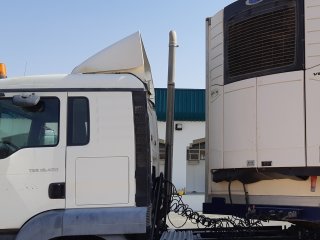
179, 207
246, 195
229, 191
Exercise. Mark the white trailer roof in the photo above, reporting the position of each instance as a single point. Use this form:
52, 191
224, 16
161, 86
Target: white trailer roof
125, 56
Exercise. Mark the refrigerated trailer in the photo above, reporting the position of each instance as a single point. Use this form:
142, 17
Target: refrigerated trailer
263, 110
77, 150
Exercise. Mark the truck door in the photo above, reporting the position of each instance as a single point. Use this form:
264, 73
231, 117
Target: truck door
32, 157
101, 150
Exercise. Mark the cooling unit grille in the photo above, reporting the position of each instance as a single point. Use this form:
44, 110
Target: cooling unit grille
263, 42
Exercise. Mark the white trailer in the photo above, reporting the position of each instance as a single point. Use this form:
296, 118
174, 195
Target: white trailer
76, 150
263, 111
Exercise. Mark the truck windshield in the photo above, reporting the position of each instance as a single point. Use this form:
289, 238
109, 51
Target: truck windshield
23, 127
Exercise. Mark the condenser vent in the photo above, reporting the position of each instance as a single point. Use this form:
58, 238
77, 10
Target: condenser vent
261, 44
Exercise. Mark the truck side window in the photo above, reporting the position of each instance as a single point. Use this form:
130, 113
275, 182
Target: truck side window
78, 121
25, 127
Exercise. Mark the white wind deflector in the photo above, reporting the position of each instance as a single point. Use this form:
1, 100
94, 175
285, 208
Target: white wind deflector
125, 56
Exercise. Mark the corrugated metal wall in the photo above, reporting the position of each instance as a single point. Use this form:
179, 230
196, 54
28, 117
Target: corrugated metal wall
189, 104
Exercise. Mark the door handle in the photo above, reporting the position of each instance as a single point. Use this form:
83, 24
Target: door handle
57, 191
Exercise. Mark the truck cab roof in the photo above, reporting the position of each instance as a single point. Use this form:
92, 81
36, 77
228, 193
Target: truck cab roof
123, 65
72, 81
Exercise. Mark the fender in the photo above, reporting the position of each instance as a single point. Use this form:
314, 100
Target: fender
89, 221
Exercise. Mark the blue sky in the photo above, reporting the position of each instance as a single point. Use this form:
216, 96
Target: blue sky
48, 37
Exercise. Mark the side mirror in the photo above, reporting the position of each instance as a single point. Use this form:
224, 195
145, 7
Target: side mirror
26, 100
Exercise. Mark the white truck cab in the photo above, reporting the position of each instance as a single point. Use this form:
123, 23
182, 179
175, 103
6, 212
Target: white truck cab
76, 151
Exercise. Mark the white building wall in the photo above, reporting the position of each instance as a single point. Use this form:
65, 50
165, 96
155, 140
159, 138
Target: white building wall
182, 139
196, 177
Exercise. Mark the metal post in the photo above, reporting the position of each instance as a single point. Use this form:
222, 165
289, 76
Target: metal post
169, 124
170, 106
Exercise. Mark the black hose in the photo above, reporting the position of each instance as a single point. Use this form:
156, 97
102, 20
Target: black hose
178, 206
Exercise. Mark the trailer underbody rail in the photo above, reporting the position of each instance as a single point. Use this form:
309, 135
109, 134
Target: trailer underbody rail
260, 233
